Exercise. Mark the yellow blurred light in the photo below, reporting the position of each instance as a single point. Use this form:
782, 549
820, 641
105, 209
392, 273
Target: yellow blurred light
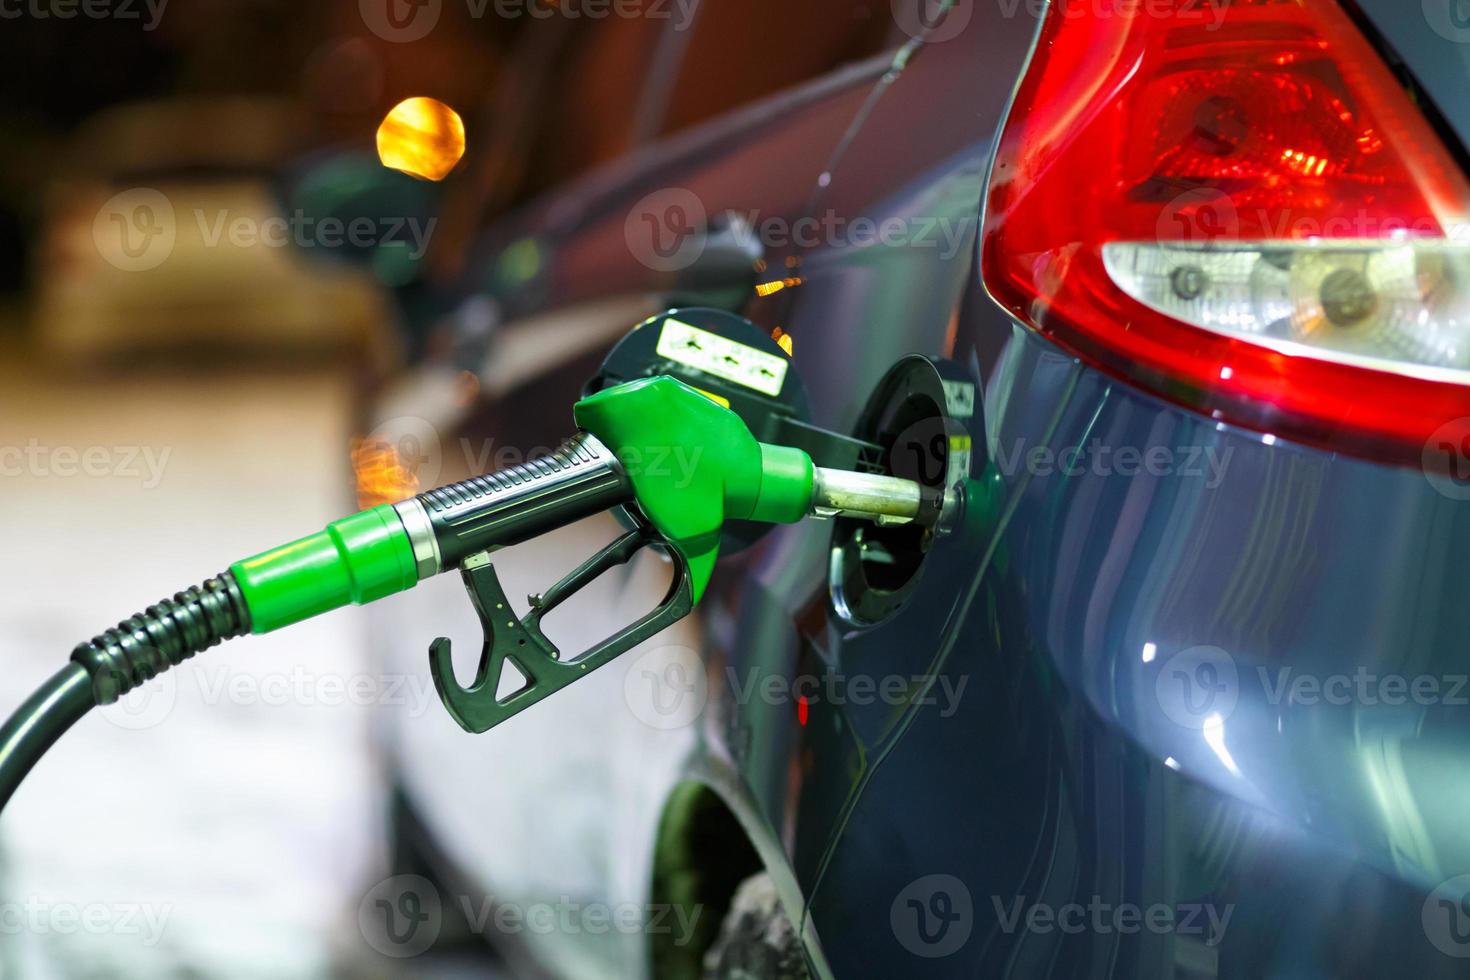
772, 288
421, 137
783, 340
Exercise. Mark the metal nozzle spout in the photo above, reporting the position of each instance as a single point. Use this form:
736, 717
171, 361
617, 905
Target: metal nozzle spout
884, 499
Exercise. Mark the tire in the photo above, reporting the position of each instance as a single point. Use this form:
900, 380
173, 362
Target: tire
757, 940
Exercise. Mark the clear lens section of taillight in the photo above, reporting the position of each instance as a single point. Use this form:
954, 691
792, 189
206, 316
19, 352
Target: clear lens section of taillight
1403, 308
1239, 207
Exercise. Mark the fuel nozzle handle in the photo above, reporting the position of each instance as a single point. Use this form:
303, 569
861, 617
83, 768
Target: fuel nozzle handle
685, 463
451, 523
393, 547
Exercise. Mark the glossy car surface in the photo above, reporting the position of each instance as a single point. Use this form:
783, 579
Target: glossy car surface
1095, 756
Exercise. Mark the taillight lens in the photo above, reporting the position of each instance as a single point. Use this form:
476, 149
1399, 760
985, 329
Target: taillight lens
1238, 207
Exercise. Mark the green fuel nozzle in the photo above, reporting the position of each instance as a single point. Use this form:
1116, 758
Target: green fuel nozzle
678, 465
686, 464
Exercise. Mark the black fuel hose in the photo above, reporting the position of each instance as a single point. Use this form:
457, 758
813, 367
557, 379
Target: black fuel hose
36, 725
110, 665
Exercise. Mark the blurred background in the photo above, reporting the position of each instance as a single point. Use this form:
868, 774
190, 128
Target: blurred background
255, 261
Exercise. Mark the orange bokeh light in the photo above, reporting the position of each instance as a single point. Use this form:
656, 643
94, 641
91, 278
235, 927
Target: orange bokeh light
383, 476
422, 137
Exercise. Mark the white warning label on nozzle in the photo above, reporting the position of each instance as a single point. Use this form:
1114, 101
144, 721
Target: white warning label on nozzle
724, 358
959, 398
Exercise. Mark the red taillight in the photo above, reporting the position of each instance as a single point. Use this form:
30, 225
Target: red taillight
1238, 207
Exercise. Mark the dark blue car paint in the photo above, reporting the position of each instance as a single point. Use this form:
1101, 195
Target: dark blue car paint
1066, 779
1296, 835
1432, 39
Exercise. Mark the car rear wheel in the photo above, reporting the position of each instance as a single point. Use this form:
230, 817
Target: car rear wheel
757, 940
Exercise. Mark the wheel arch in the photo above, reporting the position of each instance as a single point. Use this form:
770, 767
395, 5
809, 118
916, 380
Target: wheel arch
711, 837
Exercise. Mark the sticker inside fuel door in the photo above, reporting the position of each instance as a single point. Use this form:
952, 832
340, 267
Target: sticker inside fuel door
722, 357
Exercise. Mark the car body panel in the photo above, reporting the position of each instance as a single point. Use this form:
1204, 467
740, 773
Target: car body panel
1085, 776
858, 309
1434, 43
763, 161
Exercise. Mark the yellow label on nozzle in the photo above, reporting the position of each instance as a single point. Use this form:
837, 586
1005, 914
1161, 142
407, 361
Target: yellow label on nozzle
719, 400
